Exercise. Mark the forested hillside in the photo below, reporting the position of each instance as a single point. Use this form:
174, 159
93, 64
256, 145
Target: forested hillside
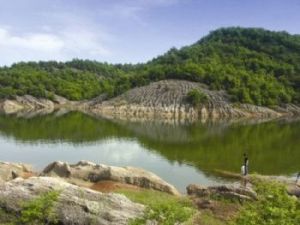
254, 66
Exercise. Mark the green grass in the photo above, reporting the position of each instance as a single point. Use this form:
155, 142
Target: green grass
207, 218
164, 208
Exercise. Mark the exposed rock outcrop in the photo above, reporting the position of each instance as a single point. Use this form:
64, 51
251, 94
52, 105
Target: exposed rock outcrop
89, 171
9, 171
167, 99
162, 100
26, 103
75, 205
234, 191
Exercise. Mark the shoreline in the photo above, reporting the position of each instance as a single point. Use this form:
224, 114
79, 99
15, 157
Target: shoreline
161, 100
73, 193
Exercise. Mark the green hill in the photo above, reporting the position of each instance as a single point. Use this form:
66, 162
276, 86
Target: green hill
254, 66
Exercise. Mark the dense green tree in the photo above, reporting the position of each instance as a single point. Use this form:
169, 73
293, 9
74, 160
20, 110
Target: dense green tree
253, 65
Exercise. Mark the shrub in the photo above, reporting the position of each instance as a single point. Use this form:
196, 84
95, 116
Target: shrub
196, 97
39, 210
274, 207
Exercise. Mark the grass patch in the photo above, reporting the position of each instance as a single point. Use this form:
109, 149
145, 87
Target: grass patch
208, 218
164, 208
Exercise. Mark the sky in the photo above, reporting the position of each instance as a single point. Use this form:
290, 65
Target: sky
126, 31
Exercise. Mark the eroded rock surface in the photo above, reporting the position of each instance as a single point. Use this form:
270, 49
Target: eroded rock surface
26, 103
167, 99
233, 191
9, 171
75, 205
92, 172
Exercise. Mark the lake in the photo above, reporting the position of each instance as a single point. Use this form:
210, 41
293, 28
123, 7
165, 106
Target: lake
179, 153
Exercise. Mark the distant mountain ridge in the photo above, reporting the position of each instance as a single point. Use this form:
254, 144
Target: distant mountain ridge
252, 65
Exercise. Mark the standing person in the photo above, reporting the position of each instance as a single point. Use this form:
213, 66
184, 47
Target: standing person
246, 164
298, 176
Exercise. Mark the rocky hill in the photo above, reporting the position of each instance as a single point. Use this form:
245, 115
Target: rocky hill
168, 99
161, 100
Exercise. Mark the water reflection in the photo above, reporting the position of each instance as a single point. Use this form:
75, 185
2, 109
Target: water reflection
180, 153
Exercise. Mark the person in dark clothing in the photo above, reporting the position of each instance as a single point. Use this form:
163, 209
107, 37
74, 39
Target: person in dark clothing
298, 176
246, 164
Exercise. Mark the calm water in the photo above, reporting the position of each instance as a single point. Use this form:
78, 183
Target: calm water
180, 154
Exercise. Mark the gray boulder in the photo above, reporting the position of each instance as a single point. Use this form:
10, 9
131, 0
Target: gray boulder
293, 189
75, 205
92, 172
233, 191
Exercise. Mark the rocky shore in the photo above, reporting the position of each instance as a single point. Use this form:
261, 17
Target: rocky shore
85, 193
164, 100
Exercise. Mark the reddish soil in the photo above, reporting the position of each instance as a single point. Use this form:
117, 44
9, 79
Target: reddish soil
110, 186
27, 175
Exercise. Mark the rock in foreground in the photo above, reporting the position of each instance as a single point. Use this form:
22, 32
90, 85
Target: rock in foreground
74, 206
9, 171
234, 191
89, 171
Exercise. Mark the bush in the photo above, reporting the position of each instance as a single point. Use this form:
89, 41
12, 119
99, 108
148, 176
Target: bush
274, 207
39, 210
195, 97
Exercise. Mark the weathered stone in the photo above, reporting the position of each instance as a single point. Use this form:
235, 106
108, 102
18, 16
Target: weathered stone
233, 191
92, 172
162, 100
167, 99
197, 190
75, 205
26, 103
9, 171
293, 189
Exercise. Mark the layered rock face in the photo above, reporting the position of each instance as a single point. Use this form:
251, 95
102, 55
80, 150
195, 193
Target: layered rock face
89, 171
26, 103
75, 205
162, 100
167, 99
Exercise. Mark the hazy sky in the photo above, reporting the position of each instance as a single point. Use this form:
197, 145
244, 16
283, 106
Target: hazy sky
126, 30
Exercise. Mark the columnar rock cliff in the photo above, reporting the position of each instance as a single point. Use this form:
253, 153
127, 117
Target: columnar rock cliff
167, 99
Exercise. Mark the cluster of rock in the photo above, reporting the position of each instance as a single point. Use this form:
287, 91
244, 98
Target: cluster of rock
77, 205
94, 173
81, 205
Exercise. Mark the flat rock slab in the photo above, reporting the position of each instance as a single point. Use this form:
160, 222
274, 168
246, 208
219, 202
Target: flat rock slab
234, 191
92, 172
75, 205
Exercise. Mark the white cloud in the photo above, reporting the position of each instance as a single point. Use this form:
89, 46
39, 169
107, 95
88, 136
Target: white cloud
35, 41
71, 42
